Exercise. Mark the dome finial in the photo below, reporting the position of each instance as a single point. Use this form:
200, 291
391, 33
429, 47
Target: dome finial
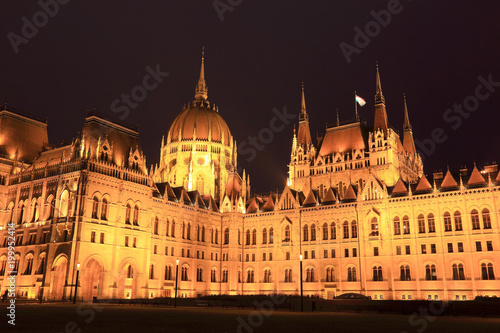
201, 91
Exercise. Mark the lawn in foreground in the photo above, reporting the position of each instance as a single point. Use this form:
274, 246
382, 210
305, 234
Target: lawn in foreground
116, 318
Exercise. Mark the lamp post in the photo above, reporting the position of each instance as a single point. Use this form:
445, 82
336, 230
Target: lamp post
176, 281
76, 283
301, 289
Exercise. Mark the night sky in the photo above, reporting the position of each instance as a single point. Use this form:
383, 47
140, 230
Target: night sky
91, 52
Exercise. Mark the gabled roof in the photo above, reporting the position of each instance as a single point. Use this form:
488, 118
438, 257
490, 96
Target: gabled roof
399, 189
344, 138
310, 199
210, 203
269, 205
423, 185
253, 207
350, 194
330, 197
476, 178
449, 182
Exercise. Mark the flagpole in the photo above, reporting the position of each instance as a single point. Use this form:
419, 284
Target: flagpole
355, 106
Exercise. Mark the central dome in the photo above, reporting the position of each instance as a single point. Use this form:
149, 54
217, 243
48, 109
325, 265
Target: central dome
200, 121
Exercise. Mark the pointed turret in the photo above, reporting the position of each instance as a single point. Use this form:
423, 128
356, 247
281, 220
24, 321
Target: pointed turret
380, 121
201, 92
408, 142
304, 133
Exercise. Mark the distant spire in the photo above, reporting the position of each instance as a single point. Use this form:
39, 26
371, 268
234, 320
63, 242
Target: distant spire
303, 103
201, 92
406, 124
338, 122
379, 97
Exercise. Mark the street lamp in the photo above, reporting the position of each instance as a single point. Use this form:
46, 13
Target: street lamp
76, 283
176, 281
301, 289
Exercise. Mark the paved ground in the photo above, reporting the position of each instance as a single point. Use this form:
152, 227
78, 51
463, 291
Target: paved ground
115, 318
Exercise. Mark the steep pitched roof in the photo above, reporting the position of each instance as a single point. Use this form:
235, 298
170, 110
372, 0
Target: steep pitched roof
476, 178
253, 207
423, 185
399, 189
269, 205
350, 194
310, 199
330, 197
448, 181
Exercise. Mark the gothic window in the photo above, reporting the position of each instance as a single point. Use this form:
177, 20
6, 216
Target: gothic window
271, 235
226, 236
310, 275
458, 272
173, 229
421, 224
486, 219
128, 210
430, 223
188, 231
306, 233
458, 221
354, 229
374, 227
351, 274
267, 275
104, 210
346, 229
397, 226
156, 226
136, 215
430, 272
250, 276
288, 275
333, 231
313, 232
34, 210
287, 234
200, 184
404, 273
487, 271
264, 236
330, 275
167, 231
248, 237
325, 231
203, 234
406, 225
254, 236
474, 216
447, 221
152, 271
377, 273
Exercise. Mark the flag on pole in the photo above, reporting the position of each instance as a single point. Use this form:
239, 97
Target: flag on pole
360, 100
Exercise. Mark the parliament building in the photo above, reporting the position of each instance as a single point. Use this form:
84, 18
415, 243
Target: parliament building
357, 210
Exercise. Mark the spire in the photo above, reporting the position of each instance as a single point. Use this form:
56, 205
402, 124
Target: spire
379, 97
406, 124
408, 141
303, 112
201, 92
338, 121
380, 121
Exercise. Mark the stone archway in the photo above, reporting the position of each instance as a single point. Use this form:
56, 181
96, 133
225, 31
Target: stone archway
92, 280
58, 277
127, 281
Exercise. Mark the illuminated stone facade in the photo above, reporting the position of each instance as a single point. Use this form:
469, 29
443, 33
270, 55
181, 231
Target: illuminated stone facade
357, 207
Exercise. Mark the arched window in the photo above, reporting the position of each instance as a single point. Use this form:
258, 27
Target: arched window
430, 272
351, 274
313, 232
29, 264
152, 271
65, 205
248, 237
264, 236
128, 211
130, 272
377, 273
199, 274
306, 233
330, 274
200, 184
288, 275
250, 276
458, 272
254, 236
354, 229
20, 212
136, 215
203, 234
41, 266
310, 275
216, 236
458, 221
421, 224
397, 226
167, 232
271, 235
213, 275
34, 211
346, 229
188, 232
447, 221
287, 234
104, 210
226, 236
184, 274
173, 229
474, 217
404, 273
267, 275
406, 225
374, 227
325, 231
486, 219
487, 271
239, 237
430, 223
168, 272
156, 226
183, 229
95, 207
333, 231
